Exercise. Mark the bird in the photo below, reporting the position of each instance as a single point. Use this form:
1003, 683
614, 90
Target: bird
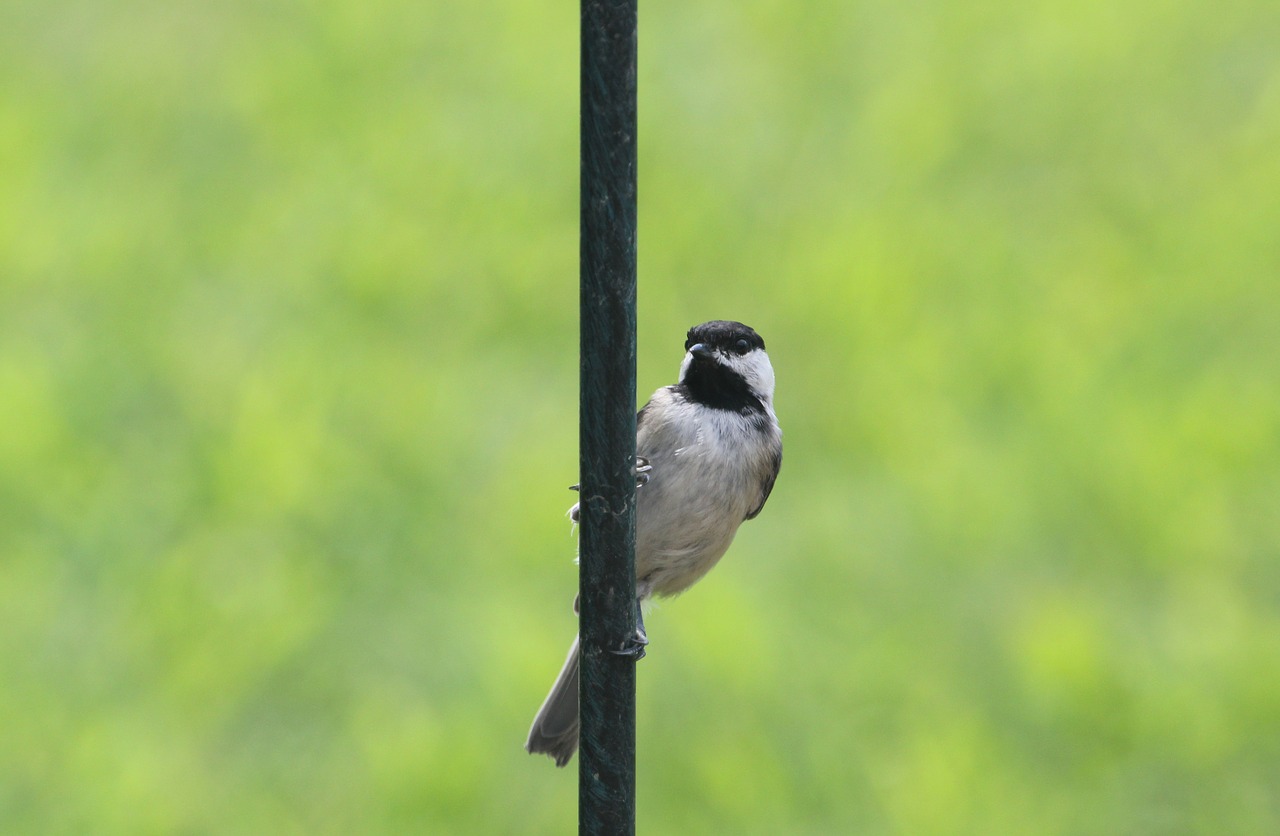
708, 451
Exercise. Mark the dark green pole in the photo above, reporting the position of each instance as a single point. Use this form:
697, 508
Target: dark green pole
607, 418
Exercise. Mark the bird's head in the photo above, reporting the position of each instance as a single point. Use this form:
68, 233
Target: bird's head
725, 366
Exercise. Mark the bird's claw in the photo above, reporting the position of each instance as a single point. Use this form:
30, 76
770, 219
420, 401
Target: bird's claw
633, 646
643, 468
642, 471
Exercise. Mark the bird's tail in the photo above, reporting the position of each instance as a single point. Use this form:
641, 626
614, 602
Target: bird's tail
555, 729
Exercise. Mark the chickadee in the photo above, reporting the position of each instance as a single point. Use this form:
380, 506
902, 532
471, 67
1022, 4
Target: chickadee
708, 451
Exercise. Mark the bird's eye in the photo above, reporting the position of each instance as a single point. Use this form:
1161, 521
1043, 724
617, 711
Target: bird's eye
742, 346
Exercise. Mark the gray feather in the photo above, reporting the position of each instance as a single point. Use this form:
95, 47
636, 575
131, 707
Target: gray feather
555, 729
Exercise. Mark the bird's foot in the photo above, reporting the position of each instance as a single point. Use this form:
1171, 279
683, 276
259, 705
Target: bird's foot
633, 646
643, 468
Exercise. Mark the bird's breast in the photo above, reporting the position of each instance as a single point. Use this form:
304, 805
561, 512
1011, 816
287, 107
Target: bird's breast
705, 480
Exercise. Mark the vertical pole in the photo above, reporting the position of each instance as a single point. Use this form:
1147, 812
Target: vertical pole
607, 417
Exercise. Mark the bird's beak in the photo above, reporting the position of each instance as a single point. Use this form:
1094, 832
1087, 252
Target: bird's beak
701, 352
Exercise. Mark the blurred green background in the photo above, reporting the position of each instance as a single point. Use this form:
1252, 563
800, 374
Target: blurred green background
288, 372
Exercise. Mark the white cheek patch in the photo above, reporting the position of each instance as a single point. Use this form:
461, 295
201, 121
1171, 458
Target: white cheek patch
756, 371
763, 373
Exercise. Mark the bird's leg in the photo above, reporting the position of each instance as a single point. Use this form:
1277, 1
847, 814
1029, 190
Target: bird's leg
634, 646
637, 642
642, 638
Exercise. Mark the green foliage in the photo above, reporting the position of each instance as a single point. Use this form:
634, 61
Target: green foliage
287, 410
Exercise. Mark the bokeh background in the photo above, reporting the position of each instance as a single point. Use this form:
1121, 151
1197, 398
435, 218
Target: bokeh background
288, 375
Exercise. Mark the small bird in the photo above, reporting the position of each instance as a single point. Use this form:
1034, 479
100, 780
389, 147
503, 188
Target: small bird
708, 451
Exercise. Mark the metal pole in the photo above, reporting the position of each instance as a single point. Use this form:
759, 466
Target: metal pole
607, 417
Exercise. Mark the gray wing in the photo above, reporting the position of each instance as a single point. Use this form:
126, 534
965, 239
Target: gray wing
766, 487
